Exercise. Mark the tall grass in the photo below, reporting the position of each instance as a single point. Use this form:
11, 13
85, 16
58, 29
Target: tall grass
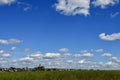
61, 75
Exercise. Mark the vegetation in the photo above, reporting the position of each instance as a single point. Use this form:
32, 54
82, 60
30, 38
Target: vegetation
62, 75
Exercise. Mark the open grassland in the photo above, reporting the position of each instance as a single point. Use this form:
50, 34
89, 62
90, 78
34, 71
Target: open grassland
61, 75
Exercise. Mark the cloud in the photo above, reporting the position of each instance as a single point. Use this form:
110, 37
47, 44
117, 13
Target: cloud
56, 60
87, 55
25, 6
2, 51
13, 48
73, 7
6, 2
110, 65
99, 50
84, 55
107, 55
70, 61
77, 55
63, 50
52, 55
26, 59
10, 41
81, 61
116, 59
3, 62
82, 7
66, 55
4, 54
112, 37
104, 3
113, 15
22, 5
36, 55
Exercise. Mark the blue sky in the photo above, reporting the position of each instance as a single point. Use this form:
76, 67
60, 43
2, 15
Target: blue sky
63, 32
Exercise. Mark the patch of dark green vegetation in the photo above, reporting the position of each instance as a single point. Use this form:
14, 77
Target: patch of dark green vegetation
62, 75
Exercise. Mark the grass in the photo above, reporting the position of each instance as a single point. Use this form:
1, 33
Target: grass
61, 75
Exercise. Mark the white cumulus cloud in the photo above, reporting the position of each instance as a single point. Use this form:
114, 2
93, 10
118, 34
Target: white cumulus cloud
4, 54
99, 50
116, 59
26, 59
6, 2
52, 55
81, 61
84, 55
63, 50
104, 3
114, 36
9, 41
87, 55
107, 55
73, 7
36, 55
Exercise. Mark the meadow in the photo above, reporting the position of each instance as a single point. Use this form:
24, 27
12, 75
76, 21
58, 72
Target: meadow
62, 75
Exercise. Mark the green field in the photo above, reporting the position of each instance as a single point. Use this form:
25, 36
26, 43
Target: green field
61, 75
